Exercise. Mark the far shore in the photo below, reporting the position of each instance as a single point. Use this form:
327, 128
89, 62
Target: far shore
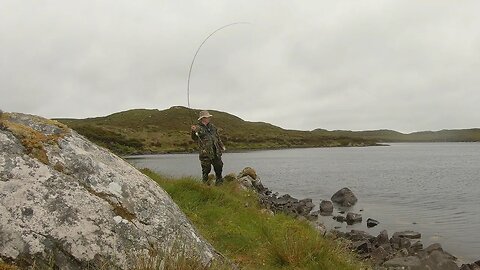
133, 156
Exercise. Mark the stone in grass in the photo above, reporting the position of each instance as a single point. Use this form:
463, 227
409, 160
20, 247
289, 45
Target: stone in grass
229, 177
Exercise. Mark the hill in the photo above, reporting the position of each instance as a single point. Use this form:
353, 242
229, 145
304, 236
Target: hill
142, 131
459, 135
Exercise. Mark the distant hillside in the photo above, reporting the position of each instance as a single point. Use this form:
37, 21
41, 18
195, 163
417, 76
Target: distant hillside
460, 135
142, 131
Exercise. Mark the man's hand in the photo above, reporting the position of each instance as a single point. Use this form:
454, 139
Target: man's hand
194, 128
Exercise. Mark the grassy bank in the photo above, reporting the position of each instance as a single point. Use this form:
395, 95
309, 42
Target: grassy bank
232, 221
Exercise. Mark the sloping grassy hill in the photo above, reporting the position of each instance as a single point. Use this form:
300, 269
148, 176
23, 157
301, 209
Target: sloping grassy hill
143, 131
459, 135
232, 221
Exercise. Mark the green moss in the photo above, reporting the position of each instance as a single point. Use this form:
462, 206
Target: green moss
34, 141
4, 266
230, 219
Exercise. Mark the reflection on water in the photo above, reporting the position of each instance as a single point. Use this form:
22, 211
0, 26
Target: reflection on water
433, 188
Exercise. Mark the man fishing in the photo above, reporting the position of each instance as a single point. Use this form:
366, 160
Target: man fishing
210, 147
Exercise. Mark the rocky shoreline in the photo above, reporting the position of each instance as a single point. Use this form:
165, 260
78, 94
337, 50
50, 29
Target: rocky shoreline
401, 250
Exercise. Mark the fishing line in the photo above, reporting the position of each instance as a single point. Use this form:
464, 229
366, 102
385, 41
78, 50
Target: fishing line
195, 56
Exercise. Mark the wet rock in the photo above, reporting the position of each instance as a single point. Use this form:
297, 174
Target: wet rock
399, 242
344, 197
246, 182
285, 200
379, 255
356, 235
249, 180
362, 246
248, 171
439, 260
372, 222
432, 247
382, 238
403, 252
410, 262
472, 266
408, 234
469, 267
98, 209
433, 257
313, 216
326, 208
304, 207
416, 247
286, 204
353, 218
339, 218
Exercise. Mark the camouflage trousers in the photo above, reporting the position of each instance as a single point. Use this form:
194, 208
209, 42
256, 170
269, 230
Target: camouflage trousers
207, 163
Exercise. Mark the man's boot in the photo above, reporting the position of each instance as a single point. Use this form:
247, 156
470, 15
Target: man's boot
205, 179
219, 181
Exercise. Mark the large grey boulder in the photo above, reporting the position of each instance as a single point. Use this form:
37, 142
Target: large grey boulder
344, 197
66, 200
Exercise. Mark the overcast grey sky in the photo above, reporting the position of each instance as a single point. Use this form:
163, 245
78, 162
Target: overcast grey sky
403, 65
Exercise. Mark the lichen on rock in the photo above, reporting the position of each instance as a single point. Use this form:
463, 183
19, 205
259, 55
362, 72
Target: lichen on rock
34, 132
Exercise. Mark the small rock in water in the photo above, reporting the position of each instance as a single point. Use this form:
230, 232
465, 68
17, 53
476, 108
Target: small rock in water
339, 218
344, 197
353, 218
372, 222
326, 208
408, 234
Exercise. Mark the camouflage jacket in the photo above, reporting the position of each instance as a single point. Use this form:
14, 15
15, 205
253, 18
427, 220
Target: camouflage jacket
209, 142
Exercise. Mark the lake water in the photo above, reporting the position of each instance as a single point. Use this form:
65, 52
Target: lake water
433, 188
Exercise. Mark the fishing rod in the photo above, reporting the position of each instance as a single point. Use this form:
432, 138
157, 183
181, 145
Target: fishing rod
195, 56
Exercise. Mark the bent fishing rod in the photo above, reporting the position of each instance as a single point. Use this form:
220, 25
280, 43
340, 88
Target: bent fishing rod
195, 56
